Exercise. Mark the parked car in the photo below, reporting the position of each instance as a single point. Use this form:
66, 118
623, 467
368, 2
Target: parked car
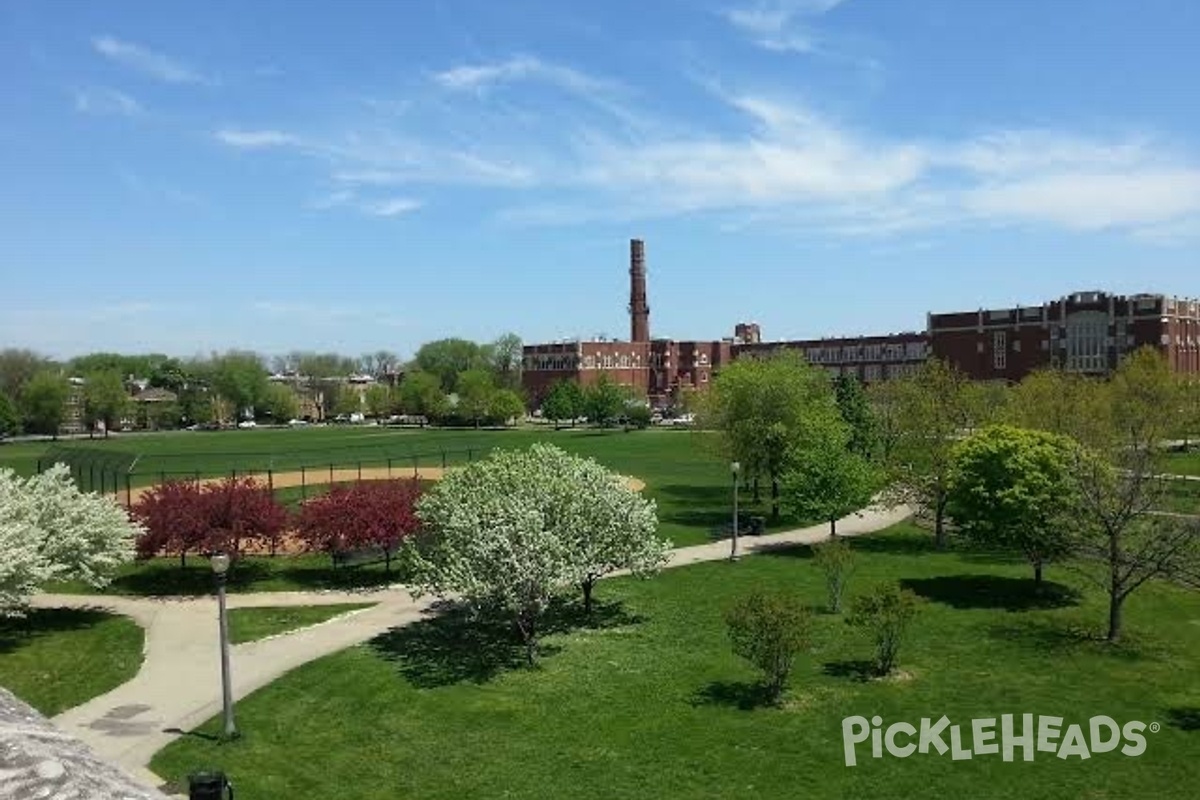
247, 423
297, 423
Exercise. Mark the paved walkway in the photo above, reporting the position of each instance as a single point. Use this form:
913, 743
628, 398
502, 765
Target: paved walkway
178, 685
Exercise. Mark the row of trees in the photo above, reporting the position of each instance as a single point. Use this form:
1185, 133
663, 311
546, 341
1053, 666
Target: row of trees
1058, 464
35, 391
603, 403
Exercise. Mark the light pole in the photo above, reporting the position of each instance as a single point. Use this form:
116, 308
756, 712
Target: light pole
735, 468
220, 568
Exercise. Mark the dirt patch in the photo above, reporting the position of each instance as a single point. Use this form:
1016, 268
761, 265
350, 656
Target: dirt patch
325, 477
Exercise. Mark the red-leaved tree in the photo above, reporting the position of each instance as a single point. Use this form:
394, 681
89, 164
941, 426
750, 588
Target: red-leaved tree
368, 514
175, 518
184, 517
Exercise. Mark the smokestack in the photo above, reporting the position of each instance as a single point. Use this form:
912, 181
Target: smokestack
639, 311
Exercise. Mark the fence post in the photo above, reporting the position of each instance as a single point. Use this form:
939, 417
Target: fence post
470, 455
271, 487
303, 484
91, 477
128, 491
360, 472
331, 475
443, 461
416, 469
197, 478
389, 469
39, 467
162, 477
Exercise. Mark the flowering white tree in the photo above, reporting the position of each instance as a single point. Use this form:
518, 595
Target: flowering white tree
50, 530
512, 530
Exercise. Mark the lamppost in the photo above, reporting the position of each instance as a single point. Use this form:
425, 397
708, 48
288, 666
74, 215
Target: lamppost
220, 568
735, 468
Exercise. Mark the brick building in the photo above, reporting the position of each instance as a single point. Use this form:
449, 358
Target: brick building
1086, 332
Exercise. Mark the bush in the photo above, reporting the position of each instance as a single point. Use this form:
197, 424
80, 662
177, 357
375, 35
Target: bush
884, 613
836, 560
769, 630
639, 416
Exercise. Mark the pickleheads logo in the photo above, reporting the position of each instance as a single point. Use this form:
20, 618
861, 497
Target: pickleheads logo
1046, 735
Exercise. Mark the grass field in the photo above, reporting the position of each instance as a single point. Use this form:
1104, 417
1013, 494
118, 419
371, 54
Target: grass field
1184, 463
57, 659
649, 702
252, 624
690, 484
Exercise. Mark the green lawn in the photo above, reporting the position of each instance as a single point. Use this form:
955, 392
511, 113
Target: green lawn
252, 624
1182, 497
690, 484
649, 702
307, 572
55, 659
1184, 463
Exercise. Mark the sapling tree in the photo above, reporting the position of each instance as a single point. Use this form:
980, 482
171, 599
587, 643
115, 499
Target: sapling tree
884, 613
50, 530
836, 560
769, 631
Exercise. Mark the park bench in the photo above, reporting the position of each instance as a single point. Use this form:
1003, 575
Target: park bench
359, 556
747, 526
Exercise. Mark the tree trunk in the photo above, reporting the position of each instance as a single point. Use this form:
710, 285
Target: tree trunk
757, 495
939, 524
387, 562
1114, 618
183, 559
832, 527
588, 585
1037, 575
774, 497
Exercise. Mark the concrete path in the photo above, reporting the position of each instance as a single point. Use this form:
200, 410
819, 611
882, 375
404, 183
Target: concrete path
178, 686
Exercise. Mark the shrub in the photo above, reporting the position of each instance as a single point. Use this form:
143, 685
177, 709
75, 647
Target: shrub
836, 560
884, 613
769, 630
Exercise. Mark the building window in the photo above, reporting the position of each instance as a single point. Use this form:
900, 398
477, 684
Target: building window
1086, 341
704, 379
999, 350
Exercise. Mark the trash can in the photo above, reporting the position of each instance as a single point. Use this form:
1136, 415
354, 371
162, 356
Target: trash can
209, 786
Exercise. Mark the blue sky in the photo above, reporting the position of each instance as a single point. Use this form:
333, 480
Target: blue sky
358, 175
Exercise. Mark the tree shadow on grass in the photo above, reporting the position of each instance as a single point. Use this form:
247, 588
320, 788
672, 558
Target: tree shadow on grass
1186, 718
992, 591
742, 695
858, 671
17, 632
898, 544
464, 645
315, 576
166, 579
1059, 638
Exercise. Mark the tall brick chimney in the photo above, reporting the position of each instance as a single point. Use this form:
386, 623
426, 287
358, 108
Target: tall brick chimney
639, 311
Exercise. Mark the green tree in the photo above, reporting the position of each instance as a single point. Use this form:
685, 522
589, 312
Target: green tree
104, 399
505, 405
348, 401
44, 402
240, 378
17, 368
856, 412
507, 354
1188, 400
448, 358
564, 401
10, 418
281, 402
884, 613
760, 408
1121, 486
172, 374
379, 399
1013, 488
1064, 403
475, 391
639, 416
826, 479
769, 631
603, 401
934, 408
421, 395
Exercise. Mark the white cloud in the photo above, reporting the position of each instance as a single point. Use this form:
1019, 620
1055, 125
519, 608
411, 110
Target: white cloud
780, 25
393, 207
148, 62
255, 139
1092, 200
106, 101
480, 76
